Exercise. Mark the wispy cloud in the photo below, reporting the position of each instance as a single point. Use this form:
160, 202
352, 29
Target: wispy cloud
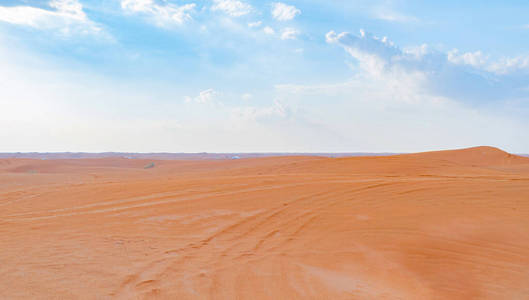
64, 16
255, 24
476, 59
506, 66
233, 8
289, 34
284, 12
161, 15
467, 77
209, 96
269, 30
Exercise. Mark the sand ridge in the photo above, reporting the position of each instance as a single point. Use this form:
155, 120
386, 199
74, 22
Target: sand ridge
434, 225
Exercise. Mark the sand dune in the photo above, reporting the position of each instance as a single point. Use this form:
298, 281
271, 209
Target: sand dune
435, 225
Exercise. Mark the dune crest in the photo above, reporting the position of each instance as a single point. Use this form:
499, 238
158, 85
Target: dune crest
475, 156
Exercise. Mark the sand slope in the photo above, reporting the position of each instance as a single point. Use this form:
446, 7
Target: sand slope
435, 225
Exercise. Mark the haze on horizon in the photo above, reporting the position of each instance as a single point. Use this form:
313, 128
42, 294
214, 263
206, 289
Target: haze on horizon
263, 76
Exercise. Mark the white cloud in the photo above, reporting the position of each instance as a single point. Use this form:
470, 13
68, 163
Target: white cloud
233, 8
467, 77
475, 59
289, 34
284, 12
67, 17
209, 96
372, 53
480, 61
269, 30
332, 37
161, 15
509, 65
255, 24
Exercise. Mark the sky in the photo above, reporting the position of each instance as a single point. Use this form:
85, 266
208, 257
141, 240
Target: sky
263, 76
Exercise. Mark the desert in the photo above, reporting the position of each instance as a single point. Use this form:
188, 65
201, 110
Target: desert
250, 149
433, 225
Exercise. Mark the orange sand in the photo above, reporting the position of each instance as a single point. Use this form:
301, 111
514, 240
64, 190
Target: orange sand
437, 225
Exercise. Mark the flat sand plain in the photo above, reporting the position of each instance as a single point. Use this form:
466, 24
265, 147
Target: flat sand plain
435, 225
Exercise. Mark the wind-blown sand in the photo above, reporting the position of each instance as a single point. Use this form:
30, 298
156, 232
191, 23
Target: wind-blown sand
436, 225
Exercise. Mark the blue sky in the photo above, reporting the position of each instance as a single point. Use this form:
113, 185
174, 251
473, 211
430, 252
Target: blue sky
263, 76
